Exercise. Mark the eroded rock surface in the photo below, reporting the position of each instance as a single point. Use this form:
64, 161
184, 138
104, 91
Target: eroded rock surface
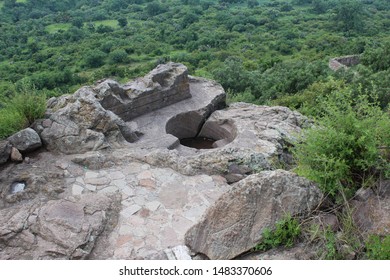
235, 223
26, 140
56, 229
371, 212
5, 151
94, 118
165, 85
253, 138
146, 189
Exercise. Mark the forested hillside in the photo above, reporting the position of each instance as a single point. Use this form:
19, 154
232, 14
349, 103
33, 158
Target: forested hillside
264, 49
261, 51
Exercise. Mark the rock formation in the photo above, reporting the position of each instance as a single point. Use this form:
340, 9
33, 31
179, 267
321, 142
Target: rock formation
251, 206
136, 171
343, 62
26, 140
55, 229
5, 151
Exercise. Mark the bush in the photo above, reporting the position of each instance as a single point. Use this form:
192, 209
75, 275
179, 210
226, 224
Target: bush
118, 56
11, 121
22, 110
345, 147
378, 248
94, 59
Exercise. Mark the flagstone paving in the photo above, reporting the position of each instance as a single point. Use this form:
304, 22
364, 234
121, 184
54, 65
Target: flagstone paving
158, 205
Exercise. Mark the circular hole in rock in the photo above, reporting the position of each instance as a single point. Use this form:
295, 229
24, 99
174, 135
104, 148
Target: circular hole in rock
17, 187
195, 132
198, 142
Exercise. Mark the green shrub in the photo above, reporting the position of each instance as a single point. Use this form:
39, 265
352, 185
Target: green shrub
11, 121
343, 149
29, 103
285, 234
378, 248
21, 110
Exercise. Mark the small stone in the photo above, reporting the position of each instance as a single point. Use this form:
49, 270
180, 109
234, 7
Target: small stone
77, 190
144, 213
153, 205
116, 175
147, 183
109, 190
97, 181
119, 183
27, 160
16, 155
128, 191
129, 211
91, 174
92, 188
178, 253
145, 175
62, 164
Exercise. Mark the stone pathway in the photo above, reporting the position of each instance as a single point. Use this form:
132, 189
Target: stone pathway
158, 206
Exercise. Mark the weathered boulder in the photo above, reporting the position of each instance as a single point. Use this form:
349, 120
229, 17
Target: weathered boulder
370, 211
235, 223
5, 151
165, 85
57, 229
26, 140
78, 123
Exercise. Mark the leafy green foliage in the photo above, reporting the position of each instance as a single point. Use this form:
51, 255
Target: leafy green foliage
378, 248
342, 150
285, 234
269, 48
22, 110
11, 121
349, 13
94, 58
29, 103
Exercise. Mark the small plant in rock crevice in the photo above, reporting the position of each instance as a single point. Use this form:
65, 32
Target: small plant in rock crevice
286, 232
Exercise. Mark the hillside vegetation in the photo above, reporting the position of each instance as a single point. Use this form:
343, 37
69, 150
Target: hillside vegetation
261, 51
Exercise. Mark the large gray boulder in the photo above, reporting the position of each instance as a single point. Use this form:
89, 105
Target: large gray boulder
235, 223
57, 229
78, 123
5, 151
26, 140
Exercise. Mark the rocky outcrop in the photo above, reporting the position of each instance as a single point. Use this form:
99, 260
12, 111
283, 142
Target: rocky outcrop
5, 151
26, 140
78, 123
165, 85
235, 223
93, 118
250, 139
120, 180
57, 229
343, 62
